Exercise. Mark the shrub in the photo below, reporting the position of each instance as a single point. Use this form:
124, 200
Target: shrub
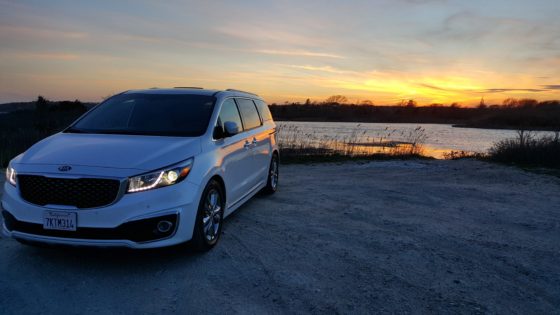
528, 150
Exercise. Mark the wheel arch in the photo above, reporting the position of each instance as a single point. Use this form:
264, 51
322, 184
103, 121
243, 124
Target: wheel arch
220, 181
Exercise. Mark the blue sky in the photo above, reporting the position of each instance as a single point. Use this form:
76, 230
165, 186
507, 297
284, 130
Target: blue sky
383, 51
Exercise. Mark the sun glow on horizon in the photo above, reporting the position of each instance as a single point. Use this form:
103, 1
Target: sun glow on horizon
433, 51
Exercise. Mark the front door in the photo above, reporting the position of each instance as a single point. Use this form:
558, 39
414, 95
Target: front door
237, 155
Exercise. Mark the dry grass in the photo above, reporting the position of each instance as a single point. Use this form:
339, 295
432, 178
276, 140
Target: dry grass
299, 145
457, 155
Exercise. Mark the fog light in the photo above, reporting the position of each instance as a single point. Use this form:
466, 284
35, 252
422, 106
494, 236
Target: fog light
164, 226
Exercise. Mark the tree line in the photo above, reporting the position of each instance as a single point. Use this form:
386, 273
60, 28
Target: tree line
511, 114
19, 129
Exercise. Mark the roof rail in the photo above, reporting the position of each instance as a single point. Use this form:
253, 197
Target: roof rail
189, 87
234, 90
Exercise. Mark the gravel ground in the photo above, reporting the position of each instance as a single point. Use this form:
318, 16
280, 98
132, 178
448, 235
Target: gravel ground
380, 237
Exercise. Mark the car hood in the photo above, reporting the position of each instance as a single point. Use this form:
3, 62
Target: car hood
110, 151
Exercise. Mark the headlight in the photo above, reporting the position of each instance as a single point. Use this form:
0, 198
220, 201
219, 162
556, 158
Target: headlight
160, 178
11, 175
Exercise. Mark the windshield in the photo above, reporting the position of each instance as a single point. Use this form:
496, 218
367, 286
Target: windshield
149, 114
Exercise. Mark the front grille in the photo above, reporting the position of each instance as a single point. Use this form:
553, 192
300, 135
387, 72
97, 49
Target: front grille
80, 192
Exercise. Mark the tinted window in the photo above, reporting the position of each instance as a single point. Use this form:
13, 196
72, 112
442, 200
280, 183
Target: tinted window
229, 112
149, 114
249, 113
263, 110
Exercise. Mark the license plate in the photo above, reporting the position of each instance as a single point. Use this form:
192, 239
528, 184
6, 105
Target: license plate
59, 220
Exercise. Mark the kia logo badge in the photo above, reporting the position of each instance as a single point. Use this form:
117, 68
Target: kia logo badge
64, 168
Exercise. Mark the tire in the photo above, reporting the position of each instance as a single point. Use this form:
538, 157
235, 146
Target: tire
273, 174
209, 218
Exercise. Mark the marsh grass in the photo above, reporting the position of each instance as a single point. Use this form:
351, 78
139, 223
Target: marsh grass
457, 155
298, 145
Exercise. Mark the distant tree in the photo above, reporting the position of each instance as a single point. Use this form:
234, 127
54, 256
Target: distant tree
407, 103
455, 105
307, 102
366, 102
336, 99
41, 105
68, 106
482, 104
510, 102
527, 103
550, 104
41, 115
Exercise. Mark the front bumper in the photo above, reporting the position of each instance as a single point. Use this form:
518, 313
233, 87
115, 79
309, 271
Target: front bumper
130, 222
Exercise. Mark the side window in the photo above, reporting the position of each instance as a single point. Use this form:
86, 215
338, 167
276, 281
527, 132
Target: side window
263, 110
229, 112
249, 113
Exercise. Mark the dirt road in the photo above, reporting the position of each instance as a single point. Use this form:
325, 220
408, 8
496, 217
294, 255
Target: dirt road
395, 237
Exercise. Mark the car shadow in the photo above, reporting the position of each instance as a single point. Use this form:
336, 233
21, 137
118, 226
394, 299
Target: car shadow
112, 258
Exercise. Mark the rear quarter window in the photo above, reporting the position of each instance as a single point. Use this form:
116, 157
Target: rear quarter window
249, 113
263, 110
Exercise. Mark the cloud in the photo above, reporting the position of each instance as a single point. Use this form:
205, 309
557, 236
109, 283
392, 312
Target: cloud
44, 56
500, 90
328, 69
302, 53
424, 1
433, 87
271, 35
552, 86
467, 93
491, 90
26, 31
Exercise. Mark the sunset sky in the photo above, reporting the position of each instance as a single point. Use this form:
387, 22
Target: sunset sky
433, 51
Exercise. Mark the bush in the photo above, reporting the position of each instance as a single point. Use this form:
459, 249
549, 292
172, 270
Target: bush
528, 150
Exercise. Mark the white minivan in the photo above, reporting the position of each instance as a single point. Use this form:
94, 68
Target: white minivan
143, 169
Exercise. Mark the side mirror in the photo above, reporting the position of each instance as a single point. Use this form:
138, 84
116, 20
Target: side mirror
231, 128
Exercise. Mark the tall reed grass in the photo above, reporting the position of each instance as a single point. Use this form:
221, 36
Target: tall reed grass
296, 143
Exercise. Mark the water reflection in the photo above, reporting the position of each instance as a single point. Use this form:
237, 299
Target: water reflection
436, 140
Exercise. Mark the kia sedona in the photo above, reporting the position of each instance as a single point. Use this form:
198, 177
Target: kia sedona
144, 169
